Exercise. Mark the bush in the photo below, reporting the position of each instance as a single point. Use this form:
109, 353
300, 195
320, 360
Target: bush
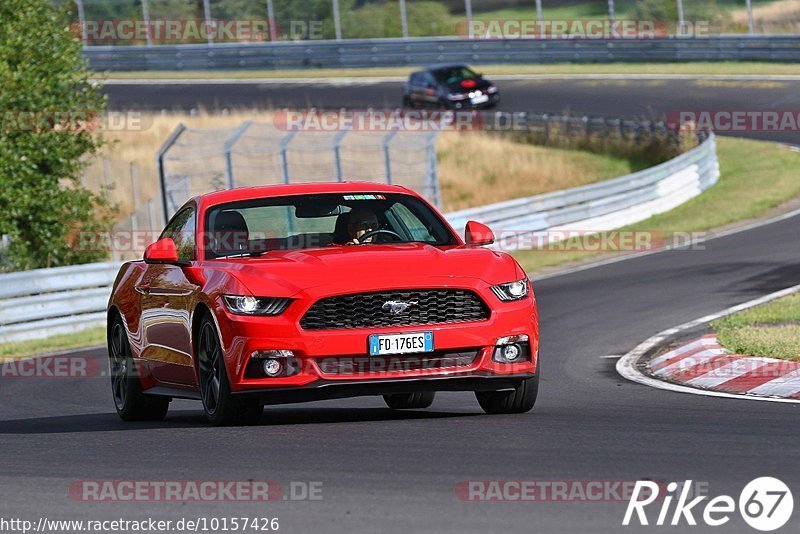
44, 206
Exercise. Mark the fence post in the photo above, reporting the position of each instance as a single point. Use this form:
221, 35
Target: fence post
271, 16
107, 174
207, 15
229, 151
386, 158
171, 140
134, 184
337, 154
146, 17
403, 19
681, 21
337, 23
432, 176
151, 215
285, 157
82, 21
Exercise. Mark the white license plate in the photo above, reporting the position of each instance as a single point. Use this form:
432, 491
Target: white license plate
479, 99
380, 344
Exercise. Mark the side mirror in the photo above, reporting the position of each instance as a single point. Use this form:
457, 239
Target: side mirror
162, 251
478, 234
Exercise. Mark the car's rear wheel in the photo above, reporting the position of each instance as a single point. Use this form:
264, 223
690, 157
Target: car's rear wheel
410, 401
518, 400
129, 400
221, 407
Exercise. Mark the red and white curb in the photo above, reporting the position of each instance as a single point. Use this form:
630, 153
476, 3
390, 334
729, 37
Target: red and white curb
706, 364
712, 371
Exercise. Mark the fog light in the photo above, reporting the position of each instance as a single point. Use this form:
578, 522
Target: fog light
272, 367
512, 349
511, 352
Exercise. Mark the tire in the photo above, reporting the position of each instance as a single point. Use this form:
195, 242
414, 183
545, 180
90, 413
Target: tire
407, 102
126, 388
519, 400
410, 401
221, 407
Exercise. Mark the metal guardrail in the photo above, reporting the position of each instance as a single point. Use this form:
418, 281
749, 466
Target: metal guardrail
60, 300
417, 51
602, 206
39, 303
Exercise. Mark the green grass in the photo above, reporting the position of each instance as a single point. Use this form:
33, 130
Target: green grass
771, 330
34, 347
697, 68
755, 176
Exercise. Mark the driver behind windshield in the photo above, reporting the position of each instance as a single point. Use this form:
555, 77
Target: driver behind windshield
361, 221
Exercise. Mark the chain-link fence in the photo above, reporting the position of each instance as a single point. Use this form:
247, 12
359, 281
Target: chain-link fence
154, 22
195, 161
132, 190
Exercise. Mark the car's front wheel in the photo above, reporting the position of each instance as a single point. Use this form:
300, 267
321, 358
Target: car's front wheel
518, 400
410, 401
221, 407
129, 400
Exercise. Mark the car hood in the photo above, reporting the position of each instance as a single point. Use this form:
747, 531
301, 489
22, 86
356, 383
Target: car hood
366, 267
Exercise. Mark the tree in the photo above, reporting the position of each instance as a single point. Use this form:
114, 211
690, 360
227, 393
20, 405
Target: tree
44, 90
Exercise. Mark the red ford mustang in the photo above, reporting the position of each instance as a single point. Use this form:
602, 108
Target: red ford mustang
293, 293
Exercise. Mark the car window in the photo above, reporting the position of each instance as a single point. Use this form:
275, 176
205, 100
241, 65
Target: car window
416, 78
453, 75
315, 221
411, 224
181, 230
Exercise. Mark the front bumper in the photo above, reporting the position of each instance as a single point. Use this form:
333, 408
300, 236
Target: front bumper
493, 100
326, 390
244, 335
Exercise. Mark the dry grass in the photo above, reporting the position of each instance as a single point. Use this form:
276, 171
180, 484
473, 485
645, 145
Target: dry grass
475, 167
478, 168
776, 17
140, 146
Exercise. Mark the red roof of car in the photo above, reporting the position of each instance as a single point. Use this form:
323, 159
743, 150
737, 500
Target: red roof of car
266, 191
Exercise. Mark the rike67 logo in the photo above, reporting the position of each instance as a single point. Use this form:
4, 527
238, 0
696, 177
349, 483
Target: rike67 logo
765, 504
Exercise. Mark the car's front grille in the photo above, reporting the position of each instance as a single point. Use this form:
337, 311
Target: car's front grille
373, 310
432, 361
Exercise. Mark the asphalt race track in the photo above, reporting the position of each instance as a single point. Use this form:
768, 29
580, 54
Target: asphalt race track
385, 471
636, 97
396, 472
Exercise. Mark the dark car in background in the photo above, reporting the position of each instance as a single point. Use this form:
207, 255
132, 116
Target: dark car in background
452, 86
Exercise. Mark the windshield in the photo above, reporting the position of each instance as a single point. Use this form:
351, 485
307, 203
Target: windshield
255, 227
454, 75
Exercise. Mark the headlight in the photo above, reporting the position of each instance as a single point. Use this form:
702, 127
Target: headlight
456, 96
491, 90
511, 290
248, 305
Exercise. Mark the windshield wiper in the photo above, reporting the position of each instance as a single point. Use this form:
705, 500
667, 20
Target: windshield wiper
250, 254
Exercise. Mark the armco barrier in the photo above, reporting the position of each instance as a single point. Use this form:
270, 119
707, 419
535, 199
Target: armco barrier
426, 50
39, 303
605, 205
60, 300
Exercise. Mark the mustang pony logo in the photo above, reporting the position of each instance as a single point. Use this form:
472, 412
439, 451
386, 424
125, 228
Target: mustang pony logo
396, 307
